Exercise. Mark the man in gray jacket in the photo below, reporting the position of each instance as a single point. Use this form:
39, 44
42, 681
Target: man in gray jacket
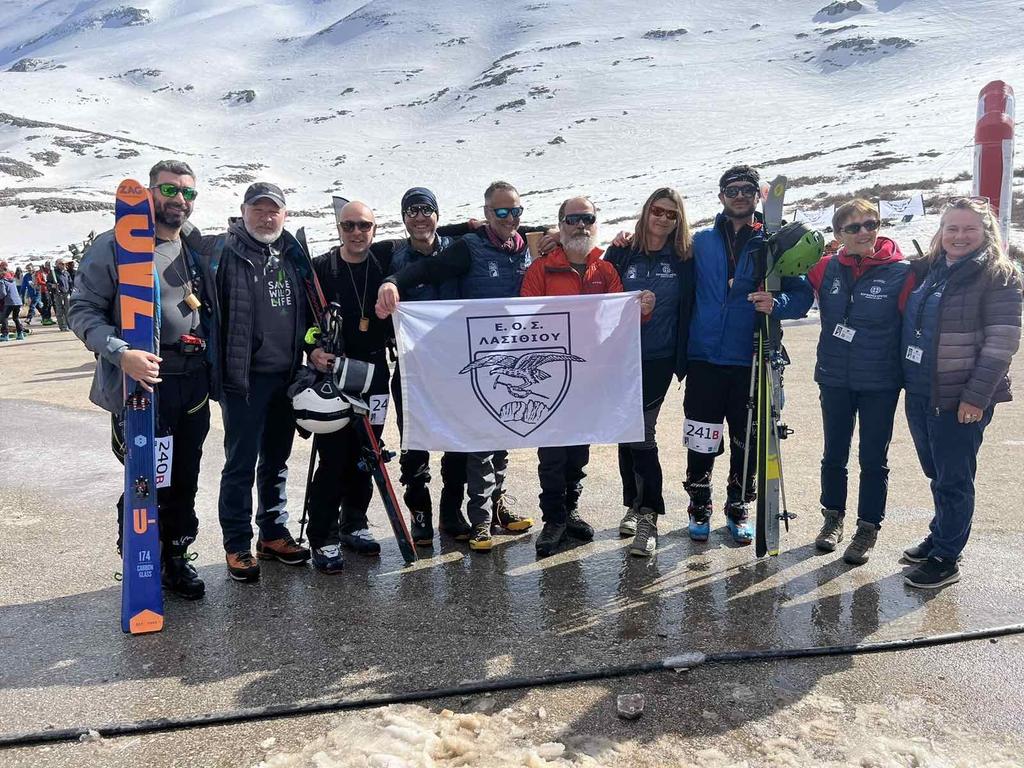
178, 373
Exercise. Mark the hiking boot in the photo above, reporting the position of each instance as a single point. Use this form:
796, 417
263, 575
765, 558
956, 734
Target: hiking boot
242, 566
327, 559
550, 537
361, 541
480, 540
737, 520
861, 544
831, 532
577, 527
699, 527
285, 549
503, 516
933, 573
178, 576
451, 522
20, 336
645, 543
422, 528
627, 525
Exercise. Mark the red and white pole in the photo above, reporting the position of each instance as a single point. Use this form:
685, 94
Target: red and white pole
993, 150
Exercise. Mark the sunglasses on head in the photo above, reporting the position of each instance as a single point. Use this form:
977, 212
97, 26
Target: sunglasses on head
868, 226
172, 190
420, 210
350, 226
504, 213
658, 212
747, 190
572, 219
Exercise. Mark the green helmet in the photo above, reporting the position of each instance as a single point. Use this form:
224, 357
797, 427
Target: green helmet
795, 249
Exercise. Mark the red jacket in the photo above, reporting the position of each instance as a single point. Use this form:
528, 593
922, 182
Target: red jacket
886, 251
553, 275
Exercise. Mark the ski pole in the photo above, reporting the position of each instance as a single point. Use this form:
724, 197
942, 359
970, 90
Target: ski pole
305, 496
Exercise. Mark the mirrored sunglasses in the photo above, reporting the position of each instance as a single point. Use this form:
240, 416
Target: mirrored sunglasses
172, 190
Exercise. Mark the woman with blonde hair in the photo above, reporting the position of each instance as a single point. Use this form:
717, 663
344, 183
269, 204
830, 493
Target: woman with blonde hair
961, 327
658, 262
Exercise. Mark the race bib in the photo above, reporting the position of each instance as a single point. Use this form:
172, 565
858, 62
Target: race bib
163, 459
378, 408
914, 354
702, 436
844, 332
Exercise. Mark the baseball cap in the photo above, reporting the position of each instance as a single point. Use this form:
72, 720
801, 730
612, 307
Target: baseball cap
261, 190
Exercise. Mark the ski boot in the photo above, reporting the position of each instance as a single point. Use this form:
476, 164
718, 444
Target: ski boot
20, 336
699, 527
502, 516
451, 521
328, 559
178, 575
4, 337
550, 537
422, 528
577, 527
737, 519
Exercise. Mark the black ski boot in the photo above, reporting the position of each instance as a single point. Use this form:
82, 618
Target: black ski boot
178, 575
550, 537
422, 528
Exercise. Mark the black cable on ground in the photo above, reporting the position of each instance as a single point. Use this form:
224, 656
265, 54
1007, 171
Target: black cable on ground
676, 663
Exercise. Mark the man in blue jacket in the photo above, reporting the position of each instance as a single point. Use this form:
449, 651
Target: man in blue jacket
729, 264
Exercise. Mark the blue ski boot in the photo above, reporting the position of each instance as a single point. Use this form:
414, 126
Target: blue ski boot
737, 521
699, 526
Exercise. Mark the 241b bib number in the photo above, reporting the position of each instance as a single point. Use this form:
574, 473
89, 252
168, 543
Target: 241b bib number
702, 436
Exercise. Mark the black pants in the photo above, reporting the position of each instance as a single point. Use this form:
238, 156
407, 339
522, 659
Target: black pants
561, 480
718, 394
340, 492
415, 467
12, 312
639, 466
183, 411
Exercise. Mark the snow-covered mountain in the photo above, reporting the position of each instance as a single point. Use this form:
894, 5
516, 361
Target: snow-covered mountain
366, 99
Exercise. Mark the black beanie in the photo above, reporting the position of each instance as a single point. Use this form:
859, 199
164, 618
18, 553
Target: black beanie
419, 195
740, 173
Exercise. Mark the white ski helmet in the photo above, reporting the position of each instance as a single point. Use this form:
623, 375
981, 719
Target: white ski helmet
320, 409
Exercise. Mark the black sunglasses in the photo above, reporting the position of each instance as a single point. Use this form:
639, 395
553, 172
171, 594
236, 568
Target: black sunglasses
572, 219
172, 190
350, 226
747, 190
420, 210
868, 226
504, 213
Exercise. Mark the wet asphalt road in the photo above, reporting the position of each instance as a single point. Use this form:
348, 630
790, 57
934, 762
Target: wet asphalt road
381, 627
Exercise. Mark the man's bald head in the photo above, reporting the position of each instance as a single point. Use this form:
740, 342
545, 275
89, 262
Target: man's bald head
356, 226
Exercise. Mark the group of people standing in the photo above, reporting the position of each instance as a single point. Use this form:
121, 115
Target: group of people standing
236, 308
47, 289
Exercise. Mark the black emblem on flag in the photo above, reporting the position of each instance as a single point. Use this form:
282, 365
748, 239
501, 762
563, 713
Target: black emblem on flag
521, 366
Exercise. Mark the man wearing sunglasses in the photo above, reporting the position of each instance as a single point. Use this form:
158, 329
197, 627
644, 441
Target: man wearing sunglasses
178, 372
487, 263
426, 239
262, 314
729, 265
573, 268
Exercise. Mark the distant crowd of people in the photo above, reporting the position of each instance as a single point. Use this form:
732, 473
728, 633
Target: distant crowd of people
46, 291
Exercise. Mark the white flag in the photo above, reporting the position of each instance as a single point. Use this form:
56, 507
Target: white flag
496, 374
901, 209
819, 219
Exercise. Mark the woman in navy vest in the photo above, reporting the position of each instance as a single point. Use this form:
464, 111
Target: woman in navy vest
861, 291
961, 328
658, 262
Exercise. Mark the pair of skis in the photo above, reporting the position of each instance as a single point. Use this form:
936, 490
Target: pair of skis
764, 405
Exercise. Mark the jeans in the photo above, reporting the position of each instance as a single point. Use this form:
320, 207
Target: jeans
259, 429
639, 465
840, 409
948, 452
561, 474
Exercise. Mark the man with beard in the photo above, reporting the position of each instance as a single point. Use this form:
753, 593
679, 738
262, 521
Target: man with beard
262, 314
573, 268
729, 270
177, 372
